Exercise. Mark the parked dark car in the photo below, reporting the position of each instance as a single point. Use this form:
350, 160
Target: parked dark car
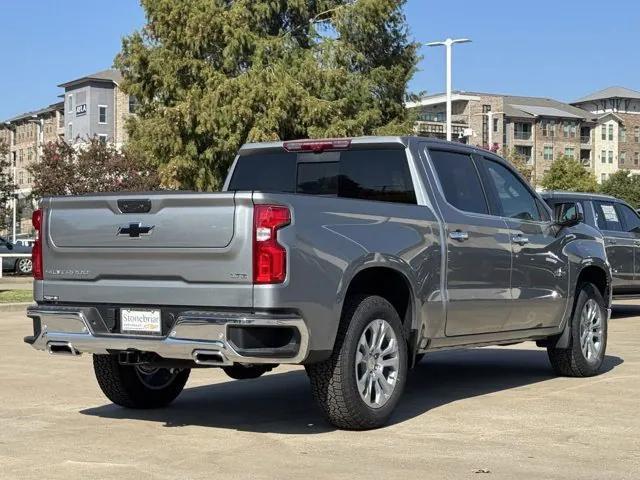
620, 225
18, 264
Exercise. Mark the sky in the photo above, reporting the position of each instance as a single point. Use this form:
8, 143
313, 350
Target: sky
563, 49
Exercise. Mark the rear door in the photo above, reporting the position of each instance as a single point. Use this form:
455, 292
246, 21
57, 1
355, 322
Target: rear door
478, 248
539, 278
631, 225
619, 243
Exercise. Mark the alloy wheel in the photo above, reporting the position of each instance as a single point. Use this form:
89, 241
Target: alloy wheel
591, 330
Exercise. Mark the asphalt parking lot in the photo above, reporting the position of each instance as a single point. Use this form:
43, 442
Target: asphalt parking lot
484, 413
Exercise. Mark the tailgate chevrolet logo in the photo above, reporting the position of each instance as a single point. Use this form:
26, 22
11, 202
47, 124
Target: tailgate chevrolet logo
135, 230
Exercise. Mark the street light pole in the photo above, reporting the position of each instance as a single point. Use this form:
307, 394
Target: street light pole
448, 43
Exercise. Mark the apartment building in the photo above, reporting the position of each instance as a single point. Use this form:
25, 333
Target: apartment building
617, 135
538, 129
95, 106
26, 134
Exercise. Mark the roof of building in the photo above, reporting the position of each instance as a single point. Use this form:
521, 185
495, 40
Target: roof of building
610, 92
109, 75
36, 113
517, 106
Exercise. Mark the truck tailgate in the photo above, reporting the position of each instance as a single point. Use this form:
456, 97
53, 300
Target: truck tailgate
179, 249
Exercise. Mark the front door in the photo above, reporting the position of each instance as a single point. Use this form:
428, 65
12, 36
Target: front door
478, 249
539, 275
620, 246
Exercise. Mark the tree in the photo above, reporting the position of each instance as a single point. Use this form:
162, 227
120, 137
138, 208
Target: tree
519, 162
7, 187
94, 167
623, 184
210, 75
566, 173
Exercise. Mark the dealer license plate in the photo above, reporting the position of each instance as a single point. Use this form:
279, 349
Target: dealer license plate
140, 321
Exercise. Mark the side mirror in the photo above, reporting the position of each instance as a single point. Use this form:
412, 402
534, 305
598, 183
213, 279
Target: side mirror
9, 245
568, 214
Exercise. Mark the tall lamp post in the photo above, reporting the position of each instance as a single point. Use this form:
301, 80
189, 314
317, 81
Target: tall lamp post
448, 43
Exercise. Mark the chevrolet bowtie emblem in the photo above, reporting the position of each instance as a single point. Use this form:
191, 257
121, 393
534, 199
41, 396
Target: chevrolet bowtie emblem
135, 230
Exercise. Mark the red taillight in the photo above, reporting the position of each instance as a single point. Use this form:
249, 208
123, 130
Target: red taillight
317, 145
269, 257
36, 251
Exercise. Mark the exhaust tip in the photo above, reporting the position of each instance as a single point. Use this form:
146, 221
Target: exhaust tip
61, 348
209, 357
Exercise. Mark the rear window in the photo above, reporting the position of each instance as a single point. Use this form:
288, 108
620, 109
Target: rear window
373, 174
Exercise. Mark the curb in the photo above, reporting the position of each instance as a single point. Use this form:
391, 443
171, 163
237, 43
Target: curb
14, 307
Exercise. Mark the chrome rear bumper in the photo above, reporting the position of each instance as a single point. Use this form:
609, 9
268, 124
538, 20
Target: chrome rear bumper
200, 336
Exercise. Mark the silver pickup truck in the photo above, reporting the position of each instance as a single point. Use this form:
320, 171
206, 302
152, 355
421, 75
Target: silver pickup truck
352, 257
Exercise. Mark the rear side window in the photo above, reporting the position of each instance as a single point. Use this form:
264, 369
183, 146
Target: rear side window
373, 174
459, 180
607, 216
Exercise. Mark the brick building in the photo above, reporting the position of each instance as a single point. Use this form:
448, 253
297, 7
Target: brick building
538, 129
617, 136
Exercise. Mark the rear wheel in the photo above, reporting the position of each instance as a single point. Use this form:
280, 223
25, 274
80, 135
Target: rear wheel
138, 386
24, 266
361, 383
588, 340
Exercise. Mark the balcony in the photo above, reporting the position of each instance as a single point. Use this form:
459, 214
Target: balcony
585, 140
522, 135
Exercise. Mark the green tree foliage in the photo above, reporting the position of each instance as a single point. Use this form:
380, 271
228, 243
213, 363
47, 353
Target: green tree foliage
568, 174
519, 162
624, 185
210, 75
94, 167
7, 186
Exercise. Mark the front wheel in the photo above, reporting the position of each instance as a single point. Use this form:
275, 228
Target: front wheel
138, 386
588, 339
358, 387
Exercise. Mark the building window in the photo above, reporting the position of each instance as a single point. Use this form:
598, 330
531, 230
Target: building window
569, 152
70, 104
60, 120
522, 131
604, 132
623, 157
548, 153
623, 134
610, 131
133, 104
495, 125
70, 132
103, 138
102, 114
603, 156
603, 177
610, 156
636, 134
548, 128
573, 131
565, 130
20, 177
636, 158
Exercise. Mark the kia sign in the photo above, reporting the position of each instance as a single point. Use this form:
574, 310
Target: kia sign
81, 109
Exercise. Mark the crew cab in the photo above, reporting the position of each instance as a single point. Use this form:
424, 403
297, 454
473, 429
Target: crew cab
620, 227
352, 257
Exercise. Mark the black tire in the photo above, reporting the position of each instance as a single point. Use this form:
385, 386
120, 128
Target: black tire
124, 385
571, 361
334, 382
240, 372
24, 266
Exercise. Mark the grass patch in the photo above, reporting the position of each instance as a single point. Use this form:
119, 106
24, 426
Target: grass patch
16, 296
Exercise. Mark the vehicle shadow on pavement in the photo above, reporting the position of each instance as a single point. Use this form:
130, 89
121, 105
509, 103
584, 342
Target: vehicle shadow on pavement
624, 311
282, 403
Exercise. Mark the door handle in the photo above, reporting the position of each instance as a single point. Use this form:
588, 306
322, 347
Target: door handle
459, 235
519, 239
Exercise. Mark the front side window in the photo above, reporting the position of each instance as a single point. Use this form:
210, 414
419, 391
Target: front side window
630, 218
459, 180
514, 199
607, 216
